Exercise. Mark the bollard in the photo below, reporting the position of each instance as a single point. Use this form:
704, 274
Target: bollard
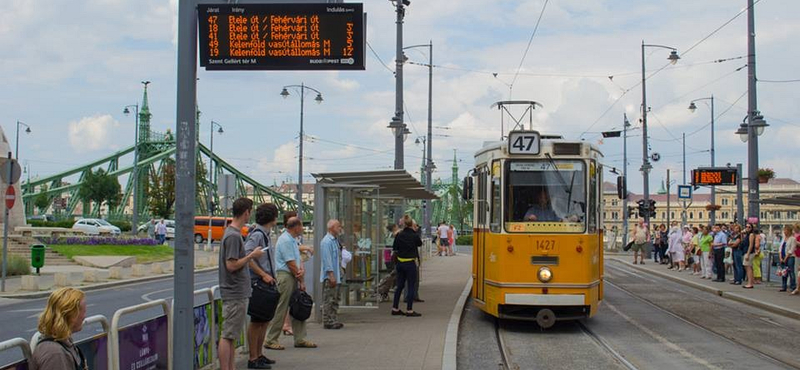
61, 279
30, 282
156, 269
115, 273
208, 247
137, 270
90, 276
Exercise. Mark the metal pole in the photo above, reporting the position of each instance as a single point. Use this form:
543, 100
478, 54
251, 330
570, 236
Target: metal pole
185, 187
713, 188
300, 164
645, 161
135, 174
740, 219
683, 209
429, 163
753, 209
625, 176
210, 183
668, 199
397, 121
5, 225
16, 144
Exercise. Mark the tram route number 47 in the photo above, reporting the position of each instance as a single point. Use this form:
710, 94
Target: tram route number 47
523, 142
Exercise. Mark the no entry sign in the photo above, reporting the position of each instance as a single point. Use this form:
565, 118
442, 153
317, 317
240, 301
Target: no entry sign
11, 197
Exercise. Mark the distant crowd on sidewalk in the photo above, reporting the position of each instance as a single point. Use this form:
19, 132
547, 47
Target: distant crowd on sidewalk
714, 252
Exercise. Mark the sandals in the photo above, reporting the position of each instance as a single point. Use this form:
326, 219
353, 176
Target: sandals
274, 346
288, 333
305, 344
795, 292
747, 286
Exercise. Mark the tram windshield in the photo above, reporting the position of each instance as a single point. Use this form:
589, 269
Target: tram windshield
546, 196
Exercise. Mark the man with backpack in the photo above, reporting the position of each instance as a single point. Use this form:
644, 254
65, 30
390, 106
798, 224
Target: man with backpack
261, 268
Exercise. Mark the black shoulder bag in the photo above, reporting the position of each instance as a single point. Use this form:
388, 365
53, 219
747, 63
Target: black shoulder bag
264, 299
300, 305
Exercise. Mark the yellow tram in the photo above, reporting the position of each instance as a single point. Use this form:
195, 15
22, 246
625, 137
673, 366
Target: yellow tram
537, 235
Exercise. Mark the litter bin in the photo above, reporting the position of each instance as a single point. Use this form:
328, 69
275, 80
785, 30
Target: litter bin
37, 256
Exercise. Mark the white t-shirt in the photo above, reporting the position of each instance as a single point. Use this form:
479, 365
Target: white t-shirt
443, 231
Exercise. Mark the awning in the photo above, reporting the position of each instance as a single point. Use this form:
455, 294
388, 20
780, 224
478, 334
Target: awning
393, 183
791, 200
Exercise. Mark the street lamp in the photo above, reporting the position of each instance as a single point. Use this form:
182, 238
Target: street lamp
759, 125
27, 131
673, 58
285, 94
135, 170
693, 108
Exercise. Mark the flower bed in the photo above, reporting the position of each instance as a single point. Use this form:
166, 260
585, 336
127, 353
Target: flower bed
97, 240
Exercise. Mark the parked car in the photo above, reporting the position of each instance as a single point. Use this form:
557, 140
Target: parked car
218, 225
170, 227
95, 226
48, 218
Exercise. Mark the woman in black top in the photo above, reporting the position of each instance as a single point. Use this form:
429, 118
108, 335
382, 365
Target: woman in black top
406, 253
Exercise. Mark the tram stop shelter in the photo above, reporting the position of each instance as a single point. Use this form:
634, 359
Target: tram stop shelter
366, 203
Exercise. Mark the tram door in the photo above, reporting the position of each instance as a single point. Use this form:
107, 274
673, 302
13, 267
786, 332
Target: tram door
481, 227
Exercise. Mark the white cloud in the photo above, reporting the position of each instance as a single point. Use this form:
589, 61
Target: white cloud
92, 133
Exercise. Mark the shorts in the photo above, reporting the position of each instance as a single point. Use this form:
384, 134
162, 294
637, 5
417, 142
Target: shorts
638, 247
234, 312
443, 242
747, 259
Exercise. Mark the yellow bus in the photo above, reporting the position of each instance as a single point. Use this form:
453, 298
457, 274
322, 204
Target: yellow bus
537, 235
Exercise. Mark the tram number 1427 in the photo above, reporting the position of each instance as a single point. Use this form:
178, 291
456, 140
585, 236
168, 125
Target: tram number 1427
545, 246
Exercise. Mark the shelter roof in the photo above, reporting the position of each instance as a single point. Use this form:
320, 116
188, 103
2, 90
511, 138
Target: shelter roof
392, 183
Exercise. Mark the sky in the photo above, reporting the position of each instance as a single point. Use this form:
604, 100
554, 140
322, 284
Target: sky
70, 67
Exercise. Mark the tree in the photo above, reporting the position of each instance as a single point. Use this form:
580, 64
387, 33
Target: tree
42, 201
100, 188
162, 190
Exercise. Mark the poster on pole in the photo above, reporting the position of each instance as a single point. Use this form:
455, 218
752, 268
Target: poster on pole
203, 339
145, 345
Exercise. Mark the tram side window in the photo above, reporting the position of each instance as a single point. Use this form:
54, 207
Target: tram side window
547, 191
496, 202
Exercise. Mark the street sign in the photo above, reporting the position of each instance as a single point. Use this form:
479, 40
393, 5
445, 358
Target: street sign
282, 36
11, 197
714, 176
524, 142
684, 192
15, 171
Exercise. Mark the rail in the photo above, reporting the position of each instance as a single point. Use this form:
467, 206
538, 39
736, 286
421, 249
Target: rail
114, 333
22, 344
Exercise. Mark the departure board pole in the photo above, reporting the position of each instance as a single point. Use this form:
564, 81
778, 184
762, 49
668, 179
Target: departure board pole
185, 187
397, 125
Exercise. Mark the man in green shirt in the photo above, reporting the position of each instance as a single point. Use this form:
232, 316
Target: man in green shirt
704, 243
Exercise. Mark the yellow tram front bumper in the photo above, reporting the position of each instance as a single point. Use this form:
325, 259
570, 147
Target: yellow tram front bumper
523, 303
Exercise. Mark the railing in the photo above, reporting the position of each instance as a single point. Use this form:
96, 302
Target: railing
23, 345
145, 346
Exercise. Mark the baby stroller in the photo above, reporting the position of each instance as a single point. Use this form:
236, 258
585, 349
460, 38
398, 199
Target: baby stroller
386, 284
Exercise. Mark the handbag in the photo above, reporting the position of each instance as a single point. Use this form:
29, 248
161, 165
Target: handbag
264, 299
300, 305
628, 246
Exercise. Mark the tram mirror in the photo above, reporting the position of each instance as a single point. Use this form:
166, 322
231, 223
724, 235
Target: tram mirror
622, 187
466, 189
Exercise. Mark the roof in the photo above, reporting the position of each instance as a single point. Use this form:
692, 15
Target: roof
393, 183
292, 188
790, 200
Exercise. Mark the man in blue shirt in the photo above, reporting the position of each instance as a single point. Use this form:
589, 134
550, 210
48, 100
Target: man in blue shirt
719, 244
330, 275
289, 278
542, 210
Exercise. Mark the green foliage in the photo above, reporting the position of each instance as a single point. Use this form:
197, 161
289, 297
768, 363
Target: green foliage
41, 223
464, 240
17, 265
99, 187
143, 253
123, 225
766, 172
161, 190
42, 201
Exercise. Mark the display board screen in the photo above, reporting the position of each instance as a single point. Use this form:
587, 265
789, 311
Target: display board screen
714, 176
281, 36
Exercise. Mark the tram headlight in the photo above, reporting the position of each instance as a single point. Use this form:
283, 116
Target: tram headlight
545, 274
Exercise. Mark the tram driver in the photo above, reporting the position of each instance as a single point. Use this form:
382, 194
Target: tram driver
542, 209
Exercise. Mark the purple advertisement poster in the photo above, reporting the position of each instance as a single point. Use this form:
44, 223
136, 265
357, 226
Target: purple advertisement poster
22, 365
95, 350
145, 345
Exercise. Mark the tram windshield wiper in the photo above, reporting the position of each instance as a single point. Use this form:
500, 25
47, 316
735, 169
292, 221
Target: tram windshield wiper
567, 189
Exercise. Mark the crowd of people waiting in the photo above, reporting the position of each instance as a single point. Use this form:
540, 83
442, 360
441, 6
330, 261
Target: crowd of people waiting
711, 252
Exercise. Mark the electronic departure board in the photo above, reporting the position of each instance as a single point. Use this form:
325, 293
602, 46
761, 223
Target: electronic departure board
714, 176
281, 36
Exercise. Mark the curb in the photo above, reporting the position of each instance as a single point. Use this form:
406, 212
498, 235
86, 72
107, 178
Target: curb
732, 296
112, 284
449, 361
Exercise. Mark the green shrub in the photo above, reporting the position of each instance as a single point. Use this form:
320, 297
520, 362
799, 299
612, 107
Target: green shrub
464, 240
123, 225
41, 223
18, 265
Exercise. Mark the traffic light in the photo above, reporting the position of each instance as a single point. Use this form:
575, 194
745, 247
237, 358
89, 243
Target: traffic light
642, 207
652, 208
622, 187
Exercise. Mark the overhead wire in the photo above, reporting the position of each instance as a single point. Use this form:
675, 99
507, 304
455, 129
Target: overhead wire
379, 57
527, 48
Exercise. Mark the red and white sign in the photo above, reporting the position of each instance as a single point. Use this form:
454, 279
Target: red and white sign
11, 197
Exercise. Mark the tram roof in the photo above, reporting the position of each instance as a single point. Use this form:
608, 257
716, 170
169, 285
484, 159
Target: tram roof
547, 142
392, 183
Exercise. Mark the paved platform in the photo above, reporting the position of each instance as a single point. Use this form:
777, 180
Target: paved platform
373, 339
765, 296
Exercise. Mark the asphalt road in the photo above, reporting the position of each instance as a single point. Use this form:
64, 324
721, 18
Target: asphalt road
19, 316
651, 323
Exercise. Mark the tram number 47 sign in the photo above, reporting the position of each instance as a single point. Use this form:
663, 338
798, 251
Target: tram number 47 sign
524, 142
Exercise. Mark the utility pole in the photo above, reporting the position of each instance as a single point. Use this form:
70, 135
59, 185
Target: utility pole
753, 209
625, 176
645, 160
397, 125
668, 199
429, 165
683, 209
739, 201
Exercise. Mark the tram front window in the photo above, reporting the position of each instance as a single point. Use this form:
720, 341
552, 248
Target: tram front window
546, 196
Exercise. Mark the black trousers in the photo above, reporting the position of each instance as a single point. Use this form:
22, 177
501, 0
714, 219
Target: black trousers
719, 255
406, 275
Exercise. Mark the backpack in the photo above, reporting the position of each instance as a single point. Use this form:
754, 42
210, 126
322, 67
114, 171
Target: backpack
300, 305
80, 362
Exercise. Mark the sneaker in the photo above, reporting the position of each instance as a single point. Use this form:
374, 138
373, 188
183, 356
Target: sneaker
398, 313
413, 314
266, 360
335, 326
258, 364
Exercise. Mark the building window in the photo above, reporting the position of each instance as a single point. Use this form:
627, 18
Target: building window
663, 215
700, 215
691, 215
614, 203
791, 215
776, 215
672, 215
724, 201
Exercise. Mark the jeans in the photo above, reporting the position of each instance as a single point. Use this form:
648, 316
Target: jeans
406, 273
789, 275
719, 255
705, 265
738, 267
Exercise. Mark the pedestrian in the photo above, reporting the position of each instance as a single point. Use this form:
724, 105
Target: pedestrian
797, 254
787, 258
442, 232
704, 242
234, 281
663, 245
151, 229
330, 276
639, 237
676, 249
451, 239
719, 244
290, 278
735, 243
261, 268
406, 252
695, 251
63, 316
419, 264
161, 232
753, 242
305, 252
759, 255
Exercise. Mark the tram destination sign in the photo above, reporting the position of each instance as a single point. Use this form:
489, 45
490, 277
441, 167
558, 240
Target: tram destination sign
281, 36
714, 176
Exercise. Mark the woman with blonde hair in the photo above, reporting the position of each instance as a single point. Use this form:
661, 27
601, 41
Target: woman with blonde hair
63, 316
